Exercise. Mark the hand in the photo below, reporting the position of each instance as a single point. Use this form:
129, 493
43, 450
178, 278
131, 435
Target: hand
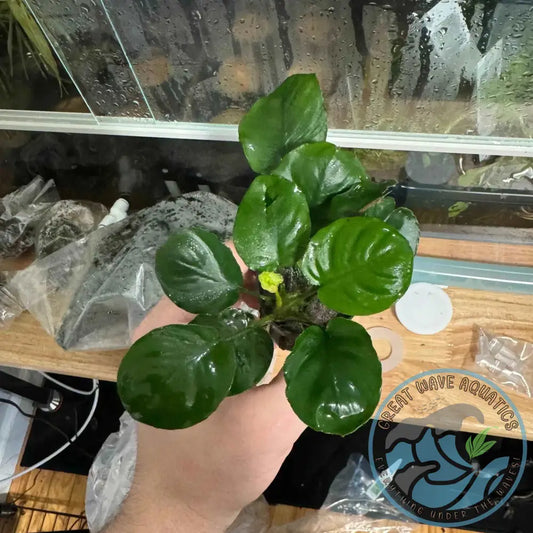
198, 479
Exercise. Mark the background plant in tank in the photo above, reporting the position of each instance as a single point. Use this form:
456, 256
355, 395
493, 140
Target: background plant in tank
26, 46
326, 242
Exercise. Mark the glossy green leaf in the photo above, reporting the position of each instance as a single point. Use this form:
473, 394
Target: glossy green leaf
334, 377
321, 170
361, 265
176, 376
291, 115
198, 272
348, 203
401, 219
405, 221
252, 346
381, 209
272, 225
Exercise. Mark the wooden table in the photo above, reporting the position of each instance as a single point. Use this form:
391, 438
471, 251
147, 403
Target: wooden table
26, 345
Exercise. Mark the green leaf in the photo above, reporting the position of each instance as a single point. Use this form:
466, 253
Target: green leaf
197, 272
361, 265
381, 209
176, 376
252, 346
405, 221
457, 208
469, 448
291, 115
348, 203
484, 448
270, 281
334, 377
479, 439
272, 225
42, 52
321, 170
401, 219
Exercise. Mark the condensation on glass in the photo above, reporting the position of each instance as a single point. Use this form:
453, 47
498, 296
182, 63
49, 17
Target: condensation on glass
84, 40
448, 66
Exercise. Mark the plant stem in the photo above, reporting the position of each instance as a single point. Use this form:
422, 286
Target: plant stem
264, 321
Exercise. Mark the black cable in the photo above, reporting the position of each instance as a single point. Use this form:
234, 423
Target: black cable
20, 496
49, 424
46, 511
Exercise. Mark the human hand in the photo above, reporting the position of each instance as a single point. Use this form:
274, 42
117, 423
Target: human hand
198, 479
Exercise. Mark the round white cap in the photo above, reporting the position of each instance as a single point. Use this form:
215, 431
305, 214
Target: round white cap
424, 309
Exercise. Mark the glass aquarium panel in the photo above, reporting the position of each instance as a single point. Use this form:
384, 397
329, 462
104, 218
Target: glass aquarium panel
84, 40
451, 194
426, 66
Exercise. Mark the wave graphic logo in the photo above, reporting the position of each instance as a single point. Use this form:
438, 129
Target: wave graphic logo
441, 476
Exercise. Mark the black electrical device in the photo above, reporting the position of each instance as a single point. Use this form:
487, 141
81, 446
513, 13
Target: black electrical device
78, 457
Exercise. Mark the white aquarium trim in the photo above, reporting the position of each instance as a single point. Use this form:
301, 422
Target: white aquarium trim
64, 122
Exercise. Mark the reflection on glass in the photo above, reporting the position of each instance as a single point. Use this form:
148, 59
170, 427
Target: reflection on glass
83, 38
444, 190
448, 66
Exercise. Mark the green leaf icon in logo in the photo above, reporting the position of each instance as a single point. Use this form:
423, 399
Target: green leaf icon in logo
478, 446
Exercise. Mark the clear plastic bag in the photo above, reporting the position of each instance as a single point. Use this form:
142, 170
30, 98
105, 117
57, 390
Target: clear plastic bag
64, 222
507, 361
347, 508
352, 505
111, 474
92, 293
34, 215
10, 308
20, 211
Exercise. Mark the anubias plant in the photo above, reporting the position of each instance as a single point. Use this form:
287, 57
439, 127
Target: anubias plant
326, 242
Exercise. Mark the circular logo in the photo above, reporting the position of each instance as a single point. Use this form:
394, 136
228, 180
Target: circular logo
428, 467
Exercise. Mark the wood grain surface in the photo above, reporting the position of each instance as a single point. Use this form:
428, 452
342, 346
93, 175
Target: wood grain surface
456, 347
484, 252
285, 514
26, 345
43, 494
47, 492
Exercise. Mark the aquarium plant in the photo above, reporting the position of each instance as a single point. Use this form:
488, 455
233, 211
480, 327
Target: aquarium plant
326, 243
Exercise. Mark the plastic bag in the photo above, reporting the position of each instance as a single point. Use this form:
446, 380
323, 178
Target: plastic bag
19, 213
64, 222
111, 474
352, 505
507, 361
9, 305
34, 215
91, 294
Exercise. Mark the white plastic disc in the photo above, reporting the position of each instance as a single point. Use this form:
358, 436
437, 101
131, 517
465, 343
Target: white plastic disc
424, 309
